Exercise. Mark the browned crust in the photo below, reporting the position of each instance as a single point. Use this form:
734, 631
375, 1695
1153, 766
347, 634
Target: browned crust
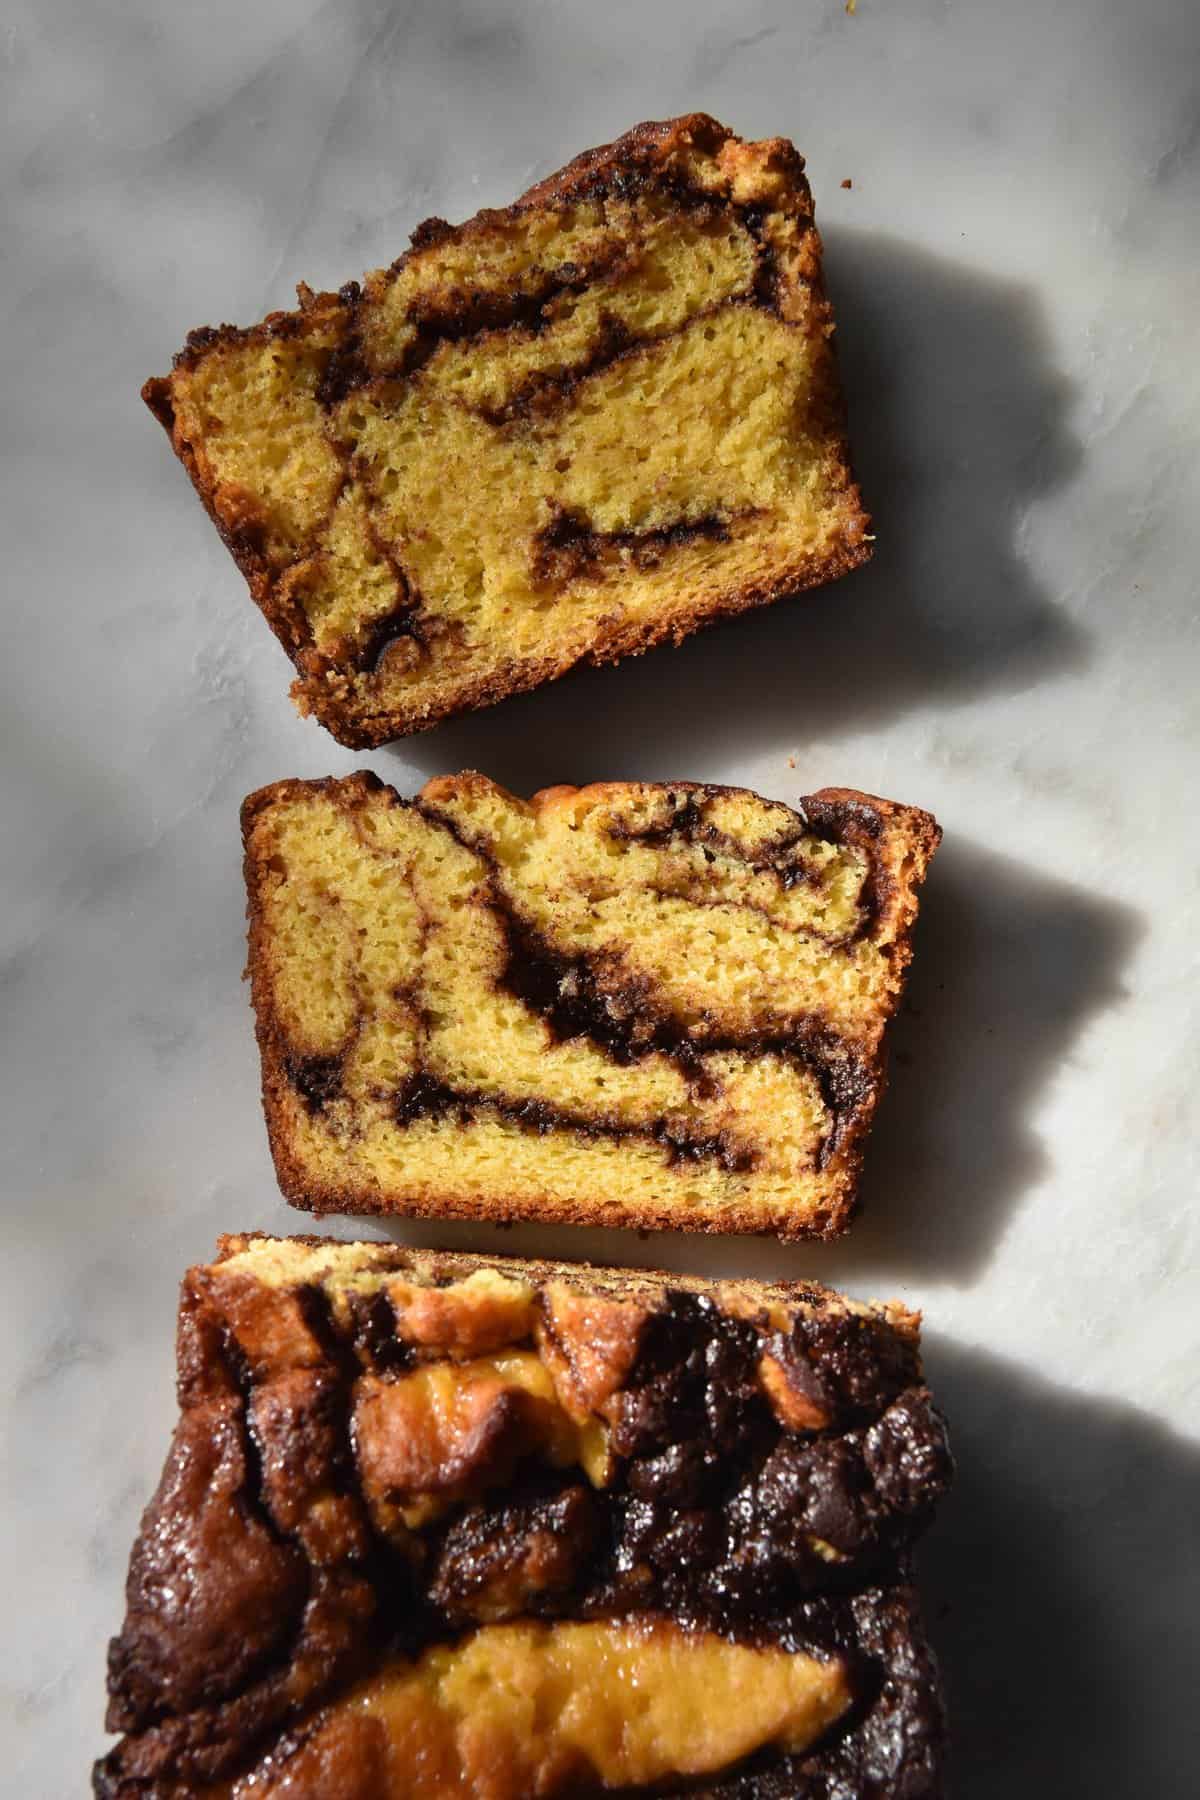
157, 395
745, 1295
644, 149
643, 156
368, 732
904, 838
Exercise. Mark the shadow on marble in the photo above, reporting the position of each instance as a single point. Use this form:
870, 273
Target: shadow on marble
1010, 966
1060, 1582
960, 425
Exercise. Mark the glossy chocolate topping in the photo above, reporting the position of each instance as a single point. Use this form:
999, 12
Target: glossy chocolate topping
272, 1571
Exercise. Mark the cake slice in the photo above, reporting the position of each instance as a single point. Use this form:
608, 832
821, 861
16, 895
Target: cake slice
626, 1004
559, 433
439, 1525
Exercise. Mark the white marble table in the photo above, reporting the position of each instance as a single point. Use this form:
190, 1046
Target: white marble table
1016, 271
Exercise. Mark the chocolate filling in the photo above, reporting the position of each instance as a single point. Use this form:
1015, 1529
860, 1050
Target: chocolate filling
317, 1079
546, 390
851, 822
766, 276
426, 1097
624, 1022
580, 997
403, 620
569, 547
454, 318
689, 825
373, 642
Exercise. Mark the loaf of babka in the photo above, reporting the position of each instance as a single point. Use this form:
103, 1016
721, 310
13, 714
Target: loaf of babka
559, 433
626, 1004
437, 1526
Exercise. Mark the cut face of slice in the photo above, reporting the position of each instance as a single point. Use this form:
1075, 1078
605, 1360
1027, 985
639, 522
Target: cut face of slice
628, 1004
437, 1526
561, 432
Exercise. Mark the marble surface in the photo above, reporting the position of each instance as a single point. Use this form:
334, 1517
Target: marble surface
1015, 268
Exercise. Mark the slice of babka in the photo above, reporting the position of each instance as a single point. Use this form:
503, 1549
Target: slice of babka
561, 432
627, 1004
443, 1525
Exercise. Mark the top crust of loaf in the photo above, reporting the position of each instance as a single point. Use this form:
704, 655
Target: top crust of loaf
742, 1297
406, 1486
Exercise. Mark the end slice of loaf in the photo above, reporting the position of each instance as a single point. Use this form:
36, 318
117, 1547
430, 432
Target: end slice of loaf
560, 433
436, 1525
635, 1004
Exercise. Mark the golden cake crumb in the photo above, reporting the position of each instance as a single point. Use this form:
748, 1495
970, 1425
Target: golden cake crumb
564, 431
630, 1004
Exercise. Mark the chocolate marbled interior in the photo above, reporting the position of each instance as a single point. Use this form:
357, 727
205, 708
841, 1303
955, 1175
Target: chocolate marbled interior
600, 417
691, 979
